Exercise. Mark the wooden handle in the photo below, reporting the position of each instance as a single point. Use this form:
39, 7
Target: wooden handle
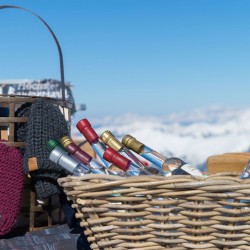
228, 162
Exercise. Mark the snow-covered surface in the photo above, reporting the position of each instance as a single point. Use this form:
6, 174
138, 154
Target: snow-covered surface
192, 136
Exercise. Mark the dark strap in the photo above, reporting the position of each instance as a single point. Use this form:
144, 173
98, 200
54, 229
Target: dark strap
54, 36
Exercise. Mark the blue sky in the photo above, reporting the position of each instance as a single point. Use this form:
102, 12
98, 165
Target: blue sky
150, 57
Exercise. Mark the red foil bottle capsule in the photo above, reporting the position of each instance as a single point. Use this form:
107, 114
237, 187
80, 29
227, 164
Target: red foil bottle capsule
122, 162
86, 129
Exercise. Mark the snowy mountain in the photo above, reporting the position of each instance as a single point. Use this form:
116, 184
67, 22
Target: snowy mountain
192, 136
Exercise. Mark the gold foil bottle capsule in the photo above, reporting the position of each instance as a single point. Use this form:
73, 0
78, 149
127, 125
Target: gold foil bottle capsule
131, 143
65, 141
109, 139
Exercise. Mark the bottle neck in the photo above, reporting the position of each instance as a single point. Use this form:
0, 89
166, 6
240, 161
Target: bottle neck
80, 170
99, 147
137, 170
96, 167
153, 156
60, 157
79, 153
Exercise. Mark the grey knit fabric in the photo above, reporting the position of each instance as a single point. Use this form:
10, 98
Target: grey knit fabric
45, 122
45, 183
21, 127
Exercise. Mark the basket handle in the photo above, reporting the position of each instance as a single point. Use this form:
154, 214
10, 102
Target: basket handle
55, 39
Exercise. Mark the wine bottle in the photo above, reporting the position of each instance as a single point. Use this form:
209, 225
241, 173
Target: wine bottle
83, 157
67, 162
99, 147
123, 163
174, 165
110, 140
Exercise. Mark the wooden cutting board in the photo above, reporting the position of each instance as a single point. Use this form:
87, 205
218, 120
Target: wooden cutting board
228, 162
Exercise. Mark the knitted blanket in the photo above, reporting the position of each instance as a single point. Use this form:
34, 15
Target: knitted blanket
11, 186
45, 122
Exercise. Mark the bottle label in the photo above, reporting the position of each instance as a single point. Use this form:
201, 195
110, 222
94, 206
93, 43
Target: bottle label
191, 170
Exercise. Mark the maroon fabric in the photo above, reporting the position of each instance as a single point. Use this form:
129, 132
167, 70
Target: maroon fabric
11, 186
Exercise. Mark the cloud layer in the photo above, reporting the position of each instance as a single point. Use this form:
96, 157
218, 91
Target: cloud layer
192, 136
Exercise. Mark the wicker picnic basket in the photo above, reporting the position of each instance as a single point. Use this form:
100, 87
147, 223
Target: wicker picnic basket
153, 212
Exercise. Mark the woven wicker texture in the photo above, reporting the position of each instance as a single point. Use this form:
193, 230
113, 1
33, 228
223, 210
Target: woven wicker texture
176, 212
